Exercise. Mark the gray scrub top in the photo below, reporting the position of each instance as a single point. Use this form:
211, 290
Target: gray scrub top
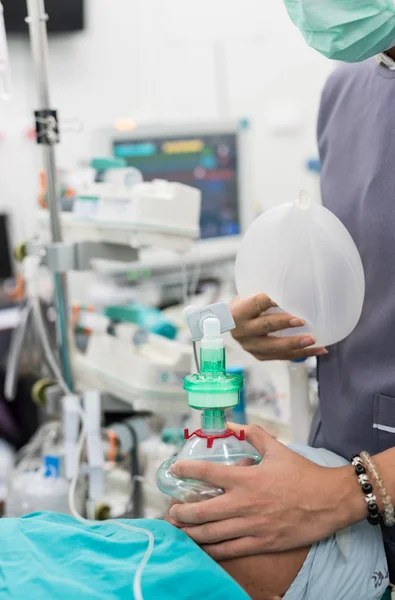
356, 137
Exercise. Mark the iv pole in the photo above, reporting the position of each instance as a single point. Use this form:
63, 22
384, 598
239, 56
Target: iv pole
47, 132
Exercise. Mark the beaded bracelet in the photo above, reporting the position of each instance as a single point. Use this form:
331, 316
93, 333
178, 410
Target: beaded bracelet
389, 509
367, 489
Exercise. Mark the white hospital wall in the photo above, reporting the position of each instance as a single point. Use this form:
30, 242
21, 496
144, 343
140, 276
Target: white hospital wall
168, 60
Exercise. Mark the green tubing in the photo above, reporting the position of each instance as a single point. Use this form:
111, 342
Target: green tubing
213, 420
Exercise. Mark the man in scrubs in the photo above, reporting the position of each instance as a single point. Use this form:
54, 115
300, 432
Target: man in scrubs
282, 504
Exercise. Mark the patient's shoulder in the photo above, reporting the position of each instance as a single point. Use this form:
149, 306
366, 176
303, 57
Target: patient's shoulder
319, 456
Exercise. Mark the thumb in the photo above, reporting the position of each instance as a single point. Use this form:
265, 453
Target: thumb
258, 437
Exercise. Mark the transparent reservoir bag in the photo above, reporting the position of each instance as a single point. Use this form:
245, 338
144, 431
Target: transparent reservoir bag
305, 260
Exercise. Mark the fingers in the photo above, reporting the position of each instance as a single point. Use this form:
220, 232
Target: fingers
293, 355
260, 439
272, 348
168, 517
199, 513
237, 548
236, 427
253, 329
173, 501
249, 308
172, 521
220, 531
256, 435
265, 324
218, 475
298, 354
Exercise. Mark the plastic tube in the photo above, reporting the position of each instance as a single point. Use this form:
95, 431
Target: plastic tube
31, 271
49, 355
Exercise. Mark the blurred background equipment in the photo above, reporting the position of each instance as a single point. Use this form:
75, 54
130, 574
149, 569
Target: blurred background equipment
179, 147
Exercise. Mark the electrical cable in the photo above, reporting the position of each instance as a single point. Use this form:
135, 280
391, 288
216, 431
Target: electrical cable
48, 352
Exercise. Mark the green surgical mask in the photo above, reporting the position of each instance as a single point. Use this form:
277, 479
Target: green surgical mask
347, 30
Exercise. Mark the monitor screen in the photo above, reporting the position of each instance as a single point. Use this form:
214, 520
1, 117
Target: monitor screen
64, 15
207, 162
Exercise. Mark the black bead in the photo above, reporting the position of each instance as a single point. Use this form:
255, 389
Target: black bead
372, 507
374, 519
354, 456
360, 470
367, 488
373, 511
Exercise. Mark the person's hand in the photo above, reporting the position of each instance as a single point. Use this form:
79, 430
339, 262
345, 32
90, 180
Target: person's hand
167, 516
253, 327
283, 503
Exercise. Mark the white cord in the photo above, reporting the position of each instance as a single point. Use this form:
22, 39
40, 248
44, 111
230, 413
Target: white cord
137, 593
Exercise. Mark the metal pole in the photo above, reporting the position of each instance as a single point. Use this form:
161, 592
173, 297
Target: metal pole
47, 136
